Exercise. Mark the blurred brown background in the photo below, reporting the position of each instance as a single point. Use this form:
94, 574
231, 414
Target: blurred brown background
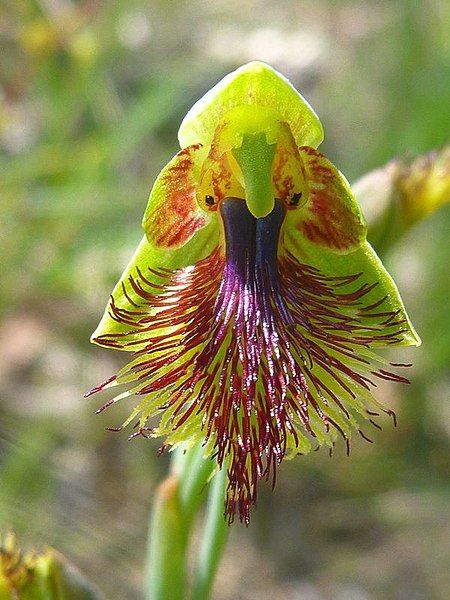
92, 94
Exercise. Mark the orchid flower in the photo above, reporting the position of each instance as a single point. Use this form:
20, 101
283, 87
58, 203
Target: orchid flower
254, 305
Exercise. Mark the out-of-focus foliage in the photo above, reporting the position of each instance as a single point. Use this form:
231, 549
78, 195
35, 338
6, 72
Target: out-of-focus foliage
45, 575
92, 94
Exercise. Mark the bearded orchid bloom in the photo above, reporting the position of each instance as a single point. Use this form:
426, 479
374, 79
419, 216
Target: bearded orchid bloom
254, 304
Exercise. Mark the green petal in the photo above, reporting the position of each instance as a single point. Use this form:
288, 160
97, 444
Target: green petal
363, 260
331, 216
173, 215
255, 84
329, 232
148, 256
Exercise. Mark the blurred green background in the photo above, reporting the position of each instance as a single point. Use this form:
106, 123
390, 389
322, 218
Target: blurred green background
92, 94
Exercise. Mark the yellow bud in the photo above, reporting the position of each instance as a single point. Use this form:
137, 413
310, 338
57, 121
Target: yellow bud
84, 47
424, 186
39, 37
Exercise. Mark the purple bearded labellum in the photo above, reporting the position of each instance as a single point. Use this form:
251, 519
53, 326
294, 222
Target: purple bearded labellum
254, 302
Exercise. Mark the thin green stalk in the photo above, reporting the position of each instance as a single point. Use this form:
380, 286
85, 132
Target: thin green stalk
194, 473
168, 538
177, 500
214, 538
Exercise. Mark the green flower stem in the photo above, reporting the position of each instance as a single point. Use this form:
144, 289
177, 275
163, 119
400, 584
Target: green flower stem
177, 500
214, 538
166, 568
194, 472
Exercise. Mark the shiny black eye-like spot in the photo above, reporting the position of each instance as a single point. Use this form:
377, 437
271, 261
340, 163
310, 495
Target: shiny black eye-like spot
295, 200
209, 200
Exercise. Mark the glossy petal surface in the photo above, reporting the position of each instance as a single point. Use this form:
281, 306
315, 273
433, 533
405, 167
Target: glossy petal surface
255, 352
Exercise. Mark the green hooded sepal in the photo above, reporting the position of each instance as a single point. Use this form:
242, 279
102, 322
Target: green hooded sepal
254, 84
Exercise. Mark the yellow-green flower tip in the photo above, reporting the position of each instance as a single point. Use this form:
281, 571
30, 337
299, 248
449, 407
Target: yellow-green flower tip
257, 85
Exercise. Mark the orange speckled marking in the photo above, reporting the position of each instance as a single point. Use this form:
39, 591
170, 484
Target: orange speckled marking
176, 215
216, 178
288, 173
329, 220
283, 181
